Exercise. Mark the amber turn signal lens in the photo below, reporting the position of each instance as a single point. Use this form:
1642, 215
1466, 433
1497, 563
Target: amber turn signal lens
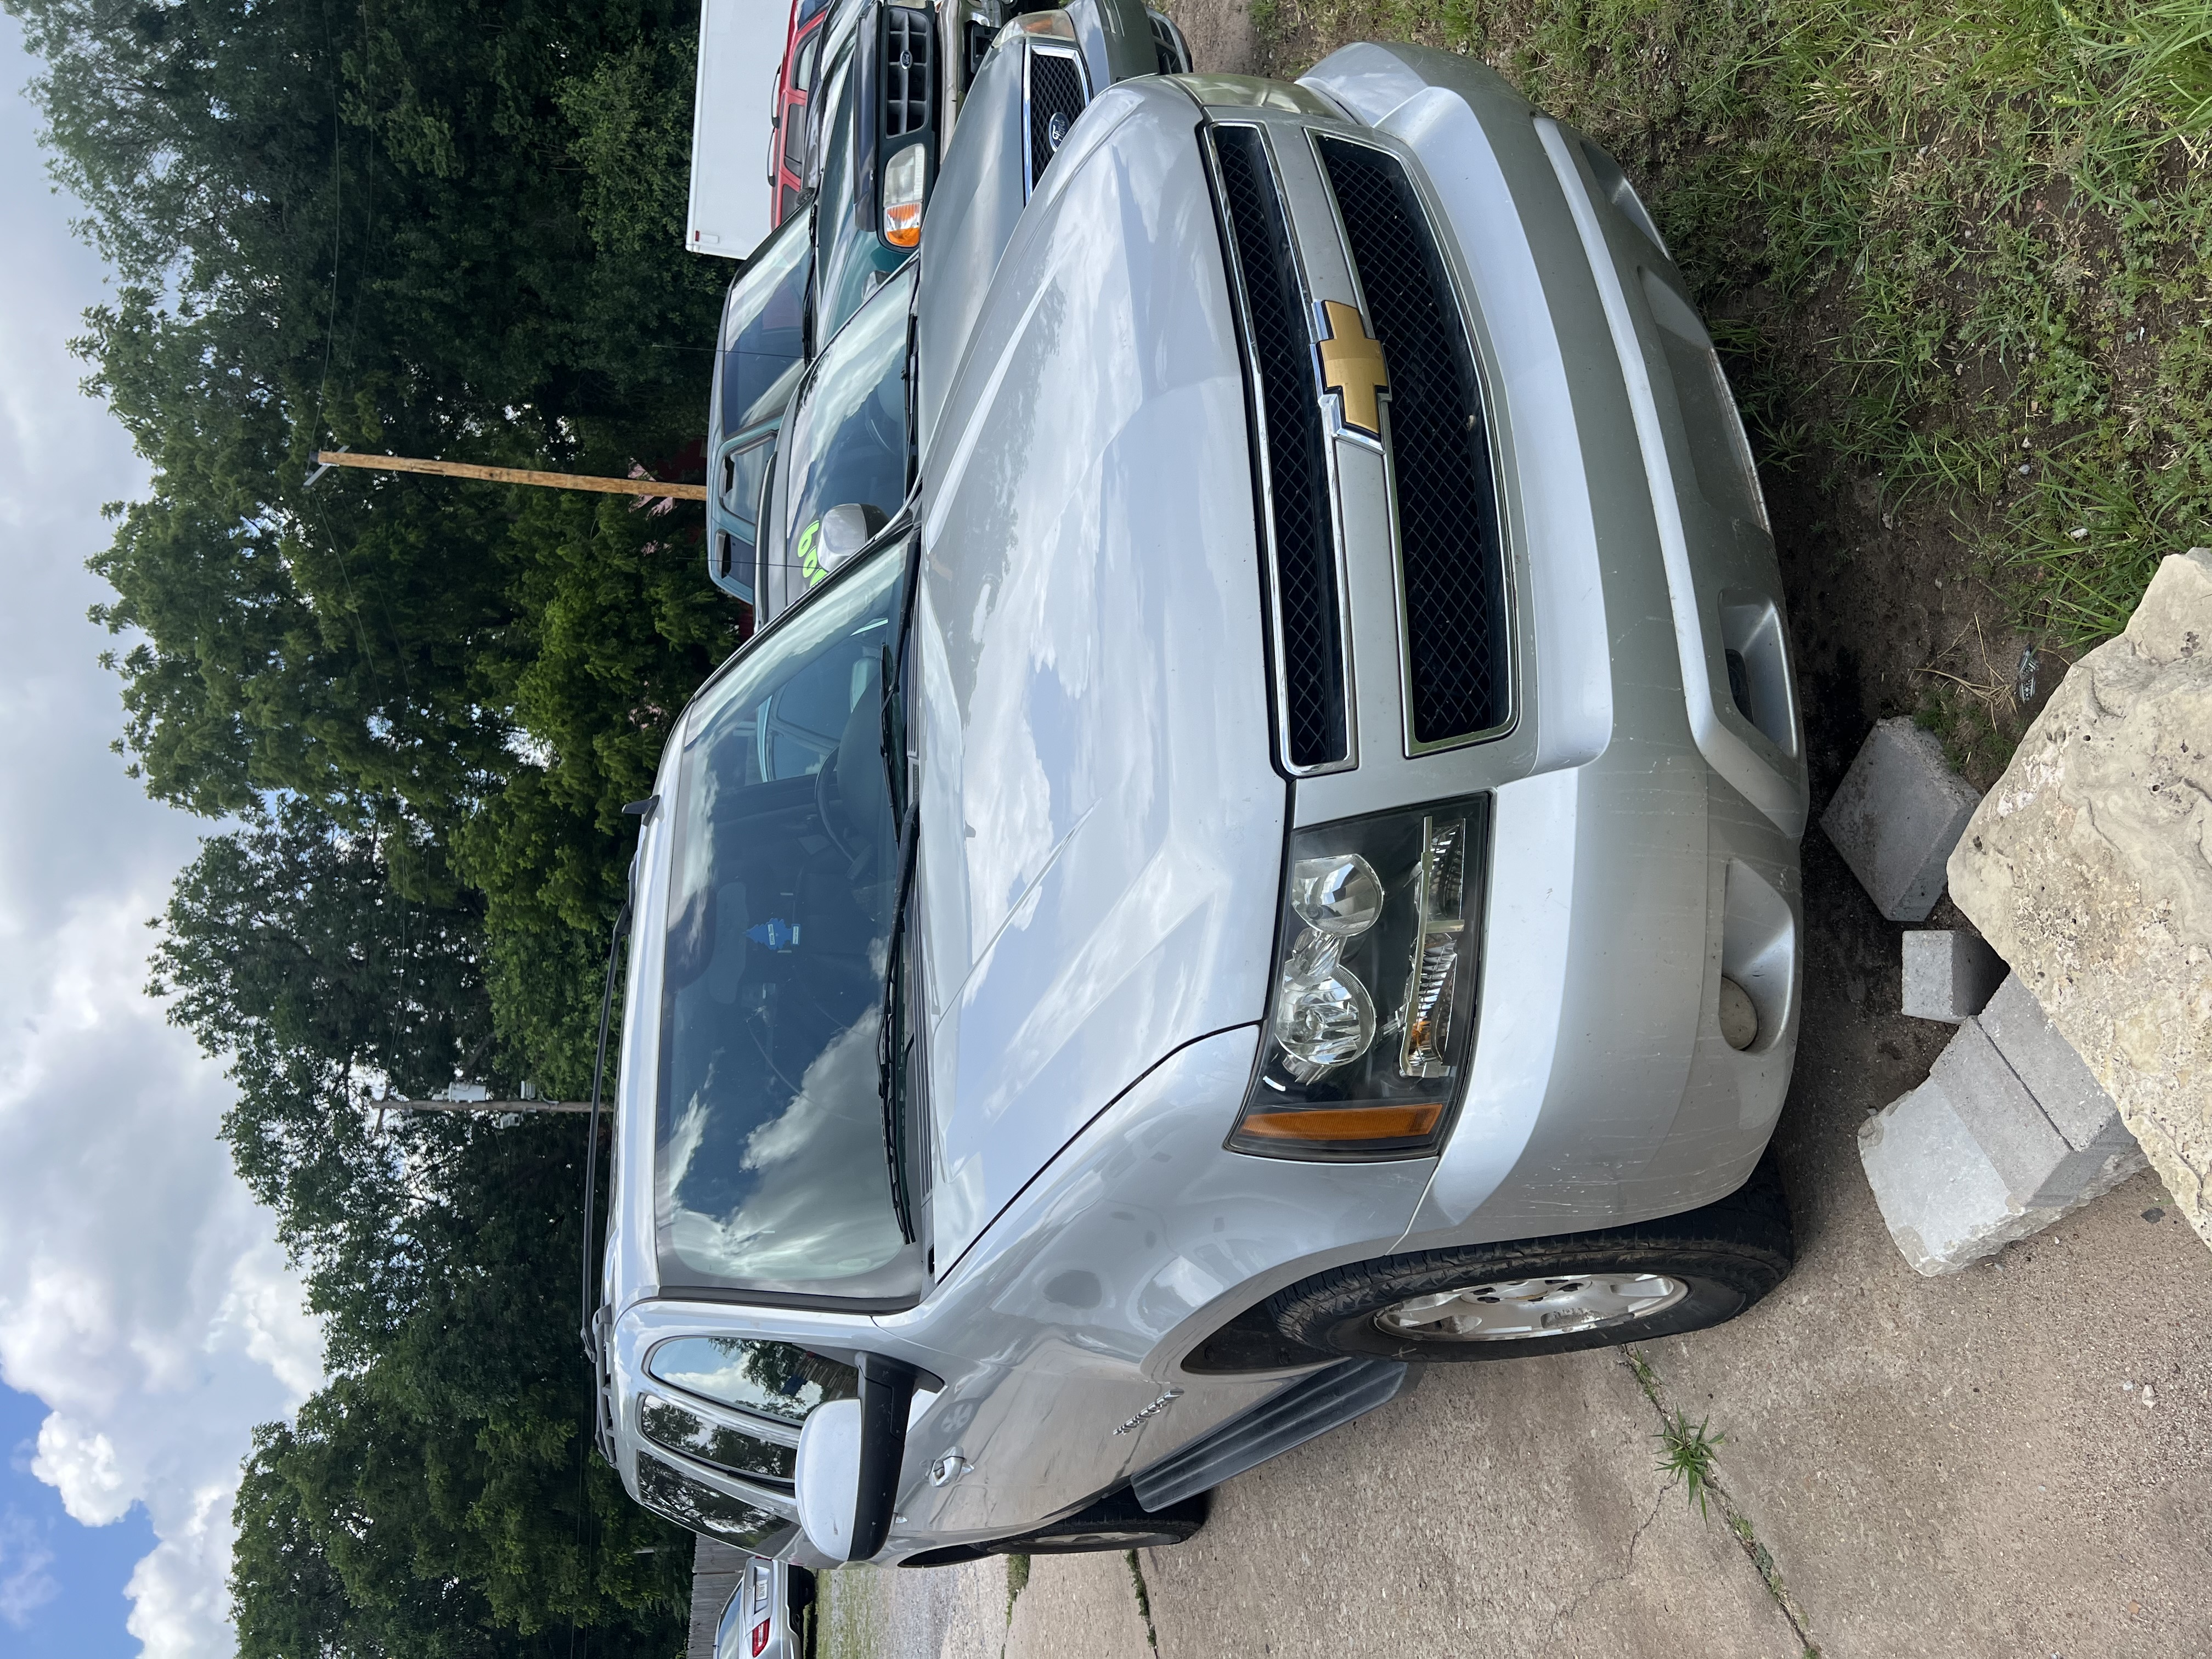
1347, 1123
902, 226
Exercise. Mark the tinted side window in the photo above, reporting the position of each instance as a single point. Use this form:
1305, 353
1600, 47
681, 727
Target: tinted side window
775, 1379
744, 473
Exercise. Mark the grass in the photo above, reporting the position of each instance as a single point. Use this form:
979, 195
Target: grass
1144, 1599
1685, 1455
1017, 1580
1958, 252
849, 1615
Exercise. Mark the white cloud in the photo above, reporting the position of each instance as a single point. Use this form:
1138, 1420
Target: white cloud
177, 1592
141, 1297
80, 1464
25, 1584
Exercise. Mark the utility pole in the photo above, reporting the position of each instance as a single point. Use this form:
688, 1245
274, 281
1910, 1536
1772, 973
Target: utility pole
514, 475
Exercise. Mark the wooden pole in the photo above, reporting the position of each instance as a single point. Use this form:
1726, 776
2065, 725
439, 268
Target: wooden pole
516, 474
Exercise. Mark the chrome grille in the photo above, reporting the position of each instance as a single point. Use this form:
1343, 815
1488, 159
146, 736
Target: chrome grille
1055, 89
1294, 507
1449, 546
905, 70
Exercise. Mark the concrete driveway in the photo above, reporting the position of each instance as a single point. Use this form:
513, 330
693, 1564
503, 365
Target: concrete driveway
2015, 1462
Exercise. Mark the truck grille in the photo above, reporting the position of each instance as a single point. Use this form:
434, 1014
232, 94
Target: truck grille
1055, 91
1294, 511
905, 70
1167, 48
1449, 546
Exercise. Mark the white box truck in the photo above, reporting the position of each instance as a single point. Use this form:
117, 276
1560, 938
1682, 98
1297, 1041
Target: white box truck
740, 47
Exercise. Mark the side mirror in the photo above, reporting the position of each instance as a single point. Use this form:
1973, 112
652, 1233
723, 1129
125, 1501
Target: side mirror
849, 1453
845, 530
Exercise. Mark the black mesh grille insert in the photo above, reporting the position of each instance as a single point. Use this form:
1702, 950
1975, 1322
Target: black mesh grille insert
1164, 50
905, 70
1055, 89
1448, 532
1297, 507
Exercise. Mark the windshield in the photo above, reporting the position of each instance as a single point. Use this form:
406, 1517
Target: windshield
772, 1162
764, 324
848, 429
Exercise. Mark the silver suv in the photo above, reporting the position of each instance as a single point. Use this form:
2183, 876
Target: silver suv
1276, 859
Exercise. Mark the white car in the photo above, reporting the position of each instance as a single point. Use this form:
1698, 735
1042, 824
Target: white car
1271, 856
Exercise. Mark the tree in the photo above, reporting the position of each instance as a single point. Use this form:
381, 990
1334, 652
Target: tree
446, 230
437, 1497
440, 229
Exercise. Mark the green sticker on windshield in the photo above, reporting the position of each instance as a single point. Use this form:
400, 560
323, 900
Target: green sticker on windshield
810, 561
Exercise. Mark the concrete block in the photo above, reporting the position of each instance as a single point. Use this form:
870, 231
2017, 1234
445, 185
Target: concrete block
2060, 1080
1897, 815
1969, 1162
2031, 1157
1943, 1200
1949, 974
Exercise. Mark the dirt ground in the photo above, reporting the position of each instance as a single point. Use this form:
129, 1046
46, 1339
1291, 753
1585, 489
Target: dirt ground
2014, 1461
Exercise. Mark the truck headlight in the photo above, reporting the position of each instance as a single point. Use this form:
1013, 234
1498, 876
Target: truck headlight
904, 179
1377, 961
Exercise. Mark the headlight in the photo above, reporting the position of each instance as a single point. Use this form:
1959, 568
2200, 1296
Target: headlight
1373, 1014
903, 181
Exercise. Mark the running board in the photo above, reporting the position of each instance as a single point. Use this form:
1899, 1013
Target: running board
1310, 1407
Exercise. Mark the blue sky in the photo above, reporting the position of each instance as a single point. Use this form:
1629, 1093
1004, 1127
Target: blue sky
61, 1584
148, 1320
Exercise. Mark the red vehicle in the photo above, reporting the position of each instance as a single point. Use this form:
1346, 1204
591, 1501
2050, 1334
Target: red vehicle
786, 132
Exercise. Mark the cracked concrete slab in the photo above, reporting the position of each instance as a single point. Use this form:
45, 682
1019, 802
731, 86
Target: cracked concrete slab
1498, 1510
1962, 1467
1078, 1604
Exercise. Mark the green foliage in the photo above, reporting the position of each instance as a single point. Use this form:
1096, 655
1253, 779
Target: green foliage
440, 1499
1685, 1455
427, 229
441, 230
437, 1497
288, 949
615, 628
630, 116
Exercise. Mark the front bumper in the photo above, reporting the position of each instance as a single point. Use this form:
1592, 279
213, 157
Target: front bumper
1649, 786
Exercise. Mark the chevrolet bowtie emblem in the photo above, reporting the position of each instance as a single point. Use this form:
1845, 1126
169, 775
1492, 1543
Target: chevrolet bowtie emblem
1351, 366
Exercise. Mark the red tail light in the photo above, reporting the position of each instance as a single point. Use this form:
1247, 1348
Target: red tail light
760, 1636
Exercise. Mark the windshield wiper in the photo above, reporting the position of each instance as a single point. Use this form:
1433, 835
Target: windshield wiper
891, 1053
891, 717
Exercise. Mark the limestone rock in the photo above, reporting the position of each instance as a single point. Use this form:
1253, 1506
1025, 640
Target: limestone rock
2089, 868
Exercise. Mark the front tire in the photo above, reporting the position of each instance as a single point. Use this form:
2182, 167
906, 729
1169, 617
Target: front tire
1559, 1295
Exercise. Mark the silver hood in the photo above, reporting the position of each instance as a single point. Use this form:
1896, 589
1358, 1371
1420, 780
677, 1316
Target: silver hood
1102, 830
